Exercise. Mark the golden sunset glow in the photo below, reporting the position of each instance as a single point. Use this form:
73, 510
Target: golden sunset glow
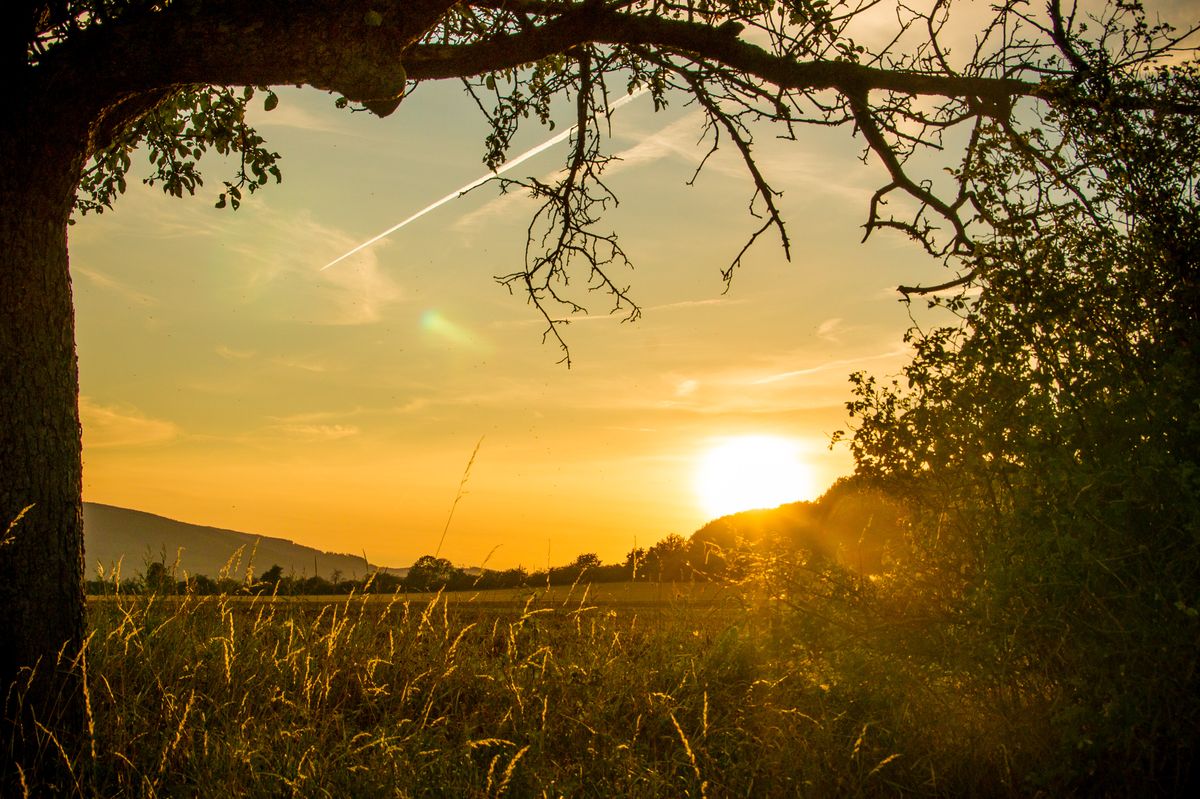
752, 472
228, 380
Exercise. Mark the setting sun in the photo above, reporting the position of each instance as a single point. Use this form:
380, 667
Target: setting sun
751, 472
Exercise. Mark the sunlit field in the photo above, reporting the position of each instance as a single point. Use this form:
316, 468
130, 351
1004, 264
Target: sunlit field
620, 690
384, 697
624, 596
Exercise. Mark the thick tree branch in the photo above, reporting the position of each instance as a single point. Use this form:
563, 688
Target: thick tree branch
336, 47
368, 49
697, 39
354, 47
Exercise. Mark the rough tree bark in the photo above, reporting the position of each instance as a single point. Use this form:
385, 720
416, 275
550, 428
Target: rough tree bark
79, 96
41, 558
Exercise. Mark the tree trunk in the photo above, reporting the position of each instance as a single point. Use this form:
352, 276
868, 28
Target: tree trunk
41, 525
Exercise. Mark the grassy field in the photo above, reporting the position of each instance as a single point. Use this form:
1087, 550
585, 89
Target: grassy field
621, 595
612, 690
627, 596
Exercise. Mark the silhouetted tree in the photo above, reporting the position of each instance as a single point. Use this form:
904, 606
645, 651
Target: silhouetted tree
504, 578
272, 576
383, 582
201, 584
668, 560
588, 560
429, 573
1047, 446
315, 586
158, 578
88, 82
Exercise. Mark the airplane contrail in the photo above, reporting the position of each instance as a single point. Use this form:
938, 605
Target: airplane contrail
520, 159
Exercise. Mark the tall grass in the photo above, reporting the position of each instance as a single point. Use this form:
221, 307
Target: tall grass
559, 694
363, 697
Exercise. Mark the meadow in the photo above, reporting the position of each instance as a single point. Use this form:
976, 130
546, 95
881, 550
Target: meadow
621, 690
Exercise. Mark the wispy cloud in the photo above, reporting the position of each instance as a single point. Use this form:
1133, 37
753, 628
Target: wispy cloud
511, 163
723, 300
412, 406
111, 284
508, 203
291, 115
676, 139
107, 426
828, 330
275, 258
267, 253
620, 315
313, 417
785, 165
303, 364
336, 417
231, 354
150, 214
679, 139
686, 388
319, 432
840, 363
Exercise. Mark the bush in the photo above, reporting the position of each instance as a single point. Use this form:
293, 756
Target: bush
1047, 447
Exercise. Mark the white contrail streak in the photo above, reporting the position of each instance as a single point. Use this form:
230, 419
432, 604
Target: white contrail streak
520, 159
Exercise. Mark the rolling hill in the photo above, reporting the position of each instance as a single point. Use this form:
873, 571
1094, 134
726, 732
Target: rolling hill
134, 538
849, 524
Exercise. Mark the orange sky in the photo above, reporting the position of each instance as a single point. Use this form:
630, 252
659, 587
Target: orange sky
227, 381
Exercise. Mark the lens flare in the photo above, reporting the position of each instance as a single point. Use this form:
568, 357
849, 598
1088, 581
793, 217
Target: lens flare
435, 323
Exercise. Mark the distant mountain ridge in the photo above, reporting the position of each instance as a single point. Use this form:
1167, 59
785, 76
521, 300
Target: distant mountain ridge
135, 538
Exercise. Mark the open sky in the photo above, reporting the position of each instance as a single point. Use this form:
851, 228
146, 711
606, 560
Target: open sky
226, 380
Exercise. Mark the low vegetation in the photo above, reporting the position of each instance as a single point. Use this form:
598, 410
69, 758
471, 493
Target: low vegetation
553, 696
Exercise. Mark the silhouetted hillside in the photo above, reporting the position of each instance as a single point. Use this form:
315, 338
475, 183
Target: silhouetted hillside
134, 538
849, 524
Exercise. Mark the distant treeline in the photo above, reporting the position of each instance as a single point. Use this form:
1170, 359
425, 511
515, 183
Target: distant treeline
670, 560
848, 525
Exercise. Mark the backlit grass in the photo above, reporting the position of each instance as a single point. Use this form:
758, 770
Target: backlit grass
553, 696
